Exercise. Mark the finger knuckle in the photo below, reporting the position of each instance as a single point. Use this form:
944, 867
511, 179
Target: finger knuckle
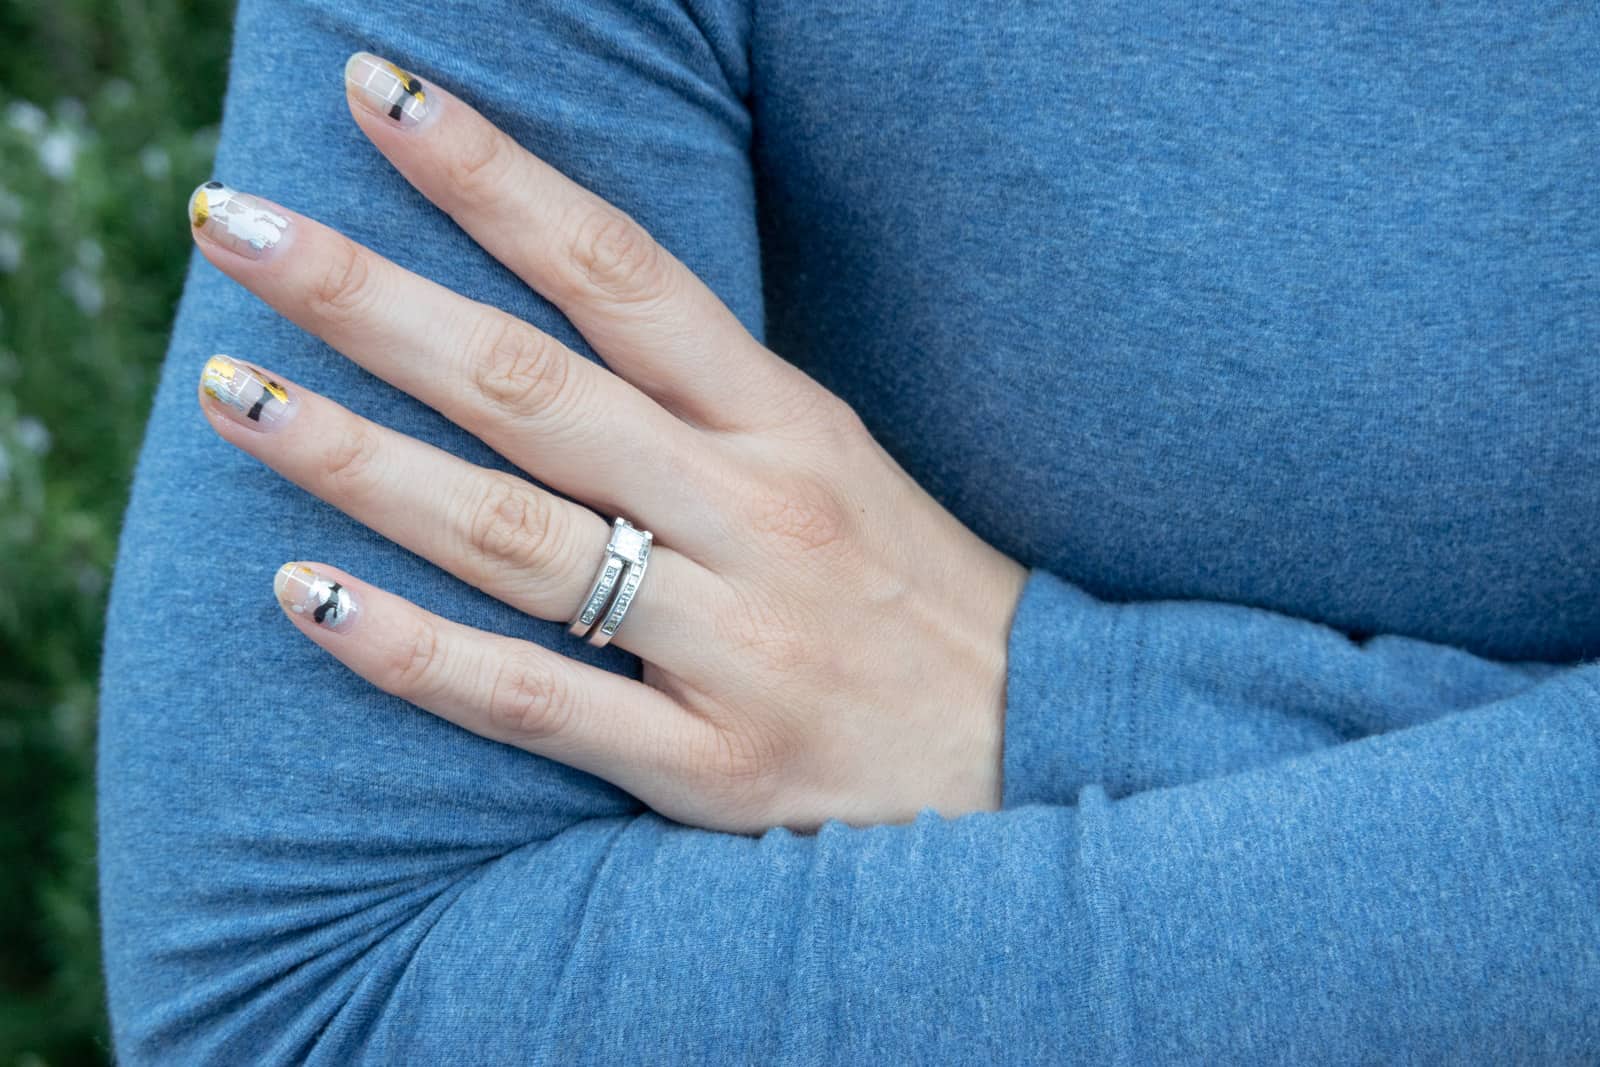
742, 772
527, 702
744, 759
767, 633
840, 423
413, 665
347, 464
802, 512
614, 256
342, 290
511, 524
478, 170
781, 652
824, 422
518, 368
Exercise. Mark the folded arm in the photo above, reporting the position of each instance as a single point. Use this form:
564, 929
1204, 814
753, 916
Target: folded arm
296, 865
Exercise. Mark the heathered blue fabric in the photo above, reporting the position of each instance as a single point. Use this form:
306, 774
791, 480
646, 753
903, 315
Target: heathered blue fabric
1266, 333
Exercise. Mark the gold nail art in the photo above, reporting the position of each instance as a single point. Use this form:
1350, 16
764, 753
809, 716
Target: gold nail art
235, 220
384, 89
246, 394
304, 592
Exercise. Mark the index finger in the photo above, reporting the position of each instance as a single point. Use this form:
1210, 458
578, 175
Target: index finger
646, 314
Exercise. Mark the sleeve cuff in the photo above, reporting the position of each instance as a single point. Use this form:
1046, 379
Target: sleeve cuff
1065, 664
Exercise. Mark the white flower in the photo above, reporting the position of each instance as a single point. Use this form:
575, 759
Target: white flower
85, 290
10, 251
155, 162
32, 435
58, 153
25, 118
90, 255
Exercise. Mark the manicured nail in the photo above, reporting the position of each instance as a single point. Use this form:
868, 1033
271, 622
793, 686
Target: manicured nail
246, 394
302, 591
386, 90
236, 221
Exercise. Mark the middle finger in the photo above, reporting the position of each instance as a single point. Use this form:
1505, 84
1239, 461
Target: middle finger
571, 423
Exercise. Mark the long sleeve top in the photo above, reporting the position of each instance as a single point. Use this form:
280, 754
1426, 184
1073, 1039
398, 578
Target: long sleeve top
1265, 334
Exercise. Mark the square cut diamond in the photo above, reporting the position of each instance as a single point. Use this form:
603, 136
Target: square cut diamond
627, 542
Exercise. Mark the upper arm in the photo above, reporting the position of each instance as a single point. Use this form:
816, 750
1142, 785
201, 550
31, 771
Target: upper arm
267, 818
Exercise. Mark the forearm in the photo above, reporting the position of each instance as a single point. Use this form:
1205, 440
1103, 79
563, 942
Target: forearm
1426, 894
1152, 694
1362, 895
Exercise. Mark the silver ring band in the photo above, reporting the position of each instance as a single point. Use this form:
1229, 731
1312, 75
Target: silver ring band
621, 570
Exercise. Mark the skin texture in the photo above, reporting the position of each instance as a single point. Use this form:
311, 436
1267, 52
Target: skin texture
821, 640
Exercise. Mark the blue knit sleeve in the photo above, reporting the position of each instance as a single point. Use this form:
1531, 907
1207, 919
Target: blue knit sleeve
298, 868
1421, 896
1135, 696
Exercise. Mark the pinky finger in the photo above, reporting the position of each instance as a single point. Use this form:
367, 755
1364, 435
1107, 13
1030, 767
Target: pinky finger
507, 690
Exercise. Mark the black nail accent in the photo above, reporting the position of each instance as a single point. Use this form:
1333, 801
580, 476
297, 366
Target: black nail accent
333, 599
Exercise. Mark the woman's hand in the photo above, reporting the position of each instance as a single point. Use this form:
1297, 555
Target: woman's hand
820, 639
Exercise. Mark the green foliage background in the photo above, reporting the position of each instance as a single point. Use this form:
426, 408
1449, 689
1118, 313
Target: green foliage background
107, 120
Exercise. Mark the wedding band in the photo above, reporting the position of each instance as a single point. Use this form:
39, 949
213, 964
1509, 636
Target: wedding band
621, 570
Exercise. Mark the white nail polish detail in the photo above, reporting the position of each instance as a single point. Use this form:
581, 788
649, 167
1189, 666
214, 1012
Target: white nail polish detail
384, 89
236, 221
306, 593
246, 394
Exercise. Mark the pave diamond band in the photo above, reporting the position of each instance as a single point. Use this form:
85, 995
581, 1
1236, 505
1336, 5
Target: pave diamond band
621, 570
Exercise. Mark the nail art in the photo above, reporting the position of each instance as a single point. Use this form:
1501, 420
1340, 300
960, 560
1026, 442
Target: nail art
235, 220
304, 592
246, 394
384, 89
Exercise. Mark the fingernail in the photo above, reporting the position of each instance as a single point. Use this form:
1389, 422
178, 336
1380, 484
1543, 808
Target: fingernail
302, 591
237, 221
385, 90
246, 394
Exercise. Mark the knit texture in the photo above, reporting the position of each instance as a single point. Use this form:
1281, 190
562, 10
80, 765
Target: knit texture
1265, 333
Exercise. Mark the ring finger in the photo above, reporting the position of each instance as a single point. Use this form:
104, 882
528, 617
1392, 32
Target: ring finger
498, 532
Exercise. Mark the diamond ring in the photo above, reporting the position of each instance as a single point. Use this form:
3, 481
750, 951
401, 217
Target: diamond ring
621, 570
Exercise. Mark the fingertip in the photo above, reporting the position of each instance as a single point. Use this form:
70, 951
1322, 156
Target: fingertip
225, 219
316, 595
385, 90
245, 395
199, 204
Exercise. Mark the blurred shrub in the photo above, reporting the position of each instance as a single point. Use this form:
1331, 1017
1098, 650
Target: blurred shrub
107, 113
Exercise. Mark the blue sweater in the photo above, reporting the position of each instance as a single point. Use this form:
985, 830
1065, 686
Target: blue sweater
1265, 333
